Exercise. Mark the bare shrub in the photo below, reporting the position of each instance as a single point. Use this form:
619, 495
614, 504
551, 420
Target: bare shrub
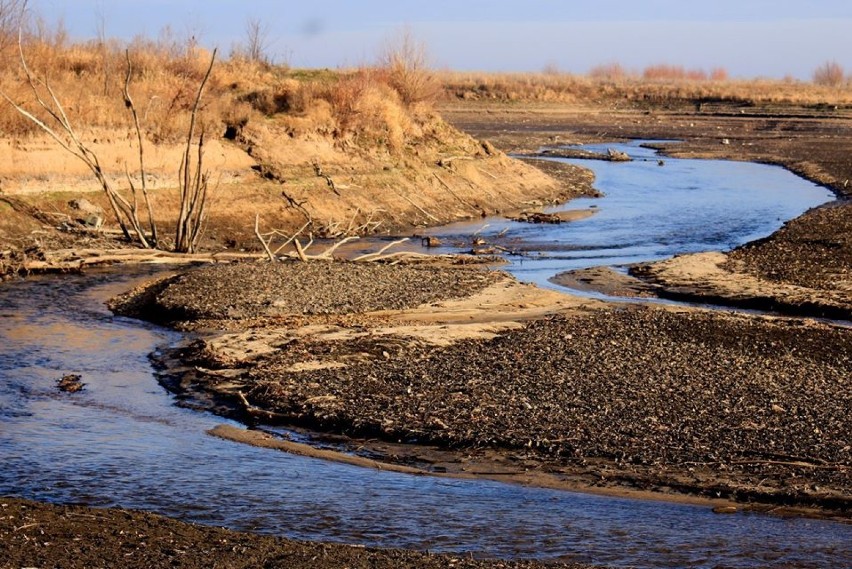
10, 21
406, 62
719, 74
345, 96
665, 72
551, 68
255, 48
608, 72
829, 74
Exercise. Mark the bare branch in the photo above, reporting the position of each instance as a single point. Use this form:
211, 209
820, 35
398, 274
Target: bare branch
300, 251
380, 251
260, 238
290, 240
330, 251
128, 101
193, 183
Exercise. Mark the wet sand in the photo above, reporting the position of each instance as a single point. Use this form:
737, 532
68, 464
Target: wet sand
673, 401
803, 269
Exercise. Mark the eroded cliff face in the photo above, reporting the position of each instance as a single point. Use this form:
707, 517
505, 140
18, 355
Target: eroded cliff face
434, 174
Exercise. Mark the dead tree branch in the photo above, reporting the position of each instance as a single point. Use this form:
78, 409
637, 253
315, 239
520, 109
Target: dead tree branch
193, 181
262, 240
124, 211
318, 171
380, 251
128, 102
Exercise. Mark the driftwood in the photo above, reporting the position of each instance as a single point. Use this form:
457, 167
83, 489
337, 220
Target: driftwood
611, 155
301, 252
458, 197
380, 251
333, 229
417, 207
72, 260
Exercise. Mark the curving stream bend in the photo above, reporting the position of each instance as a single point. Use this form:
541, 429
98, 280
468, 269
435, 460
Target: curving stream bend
123, 442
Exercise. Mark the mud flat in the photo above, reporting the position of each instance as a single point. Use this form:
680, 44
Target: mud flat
511, 381
42, 535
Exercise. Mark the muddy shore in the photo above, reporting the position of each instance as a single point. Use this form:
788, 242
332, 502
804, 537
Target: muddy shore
708, 404
749, 409
804, 269
42, 535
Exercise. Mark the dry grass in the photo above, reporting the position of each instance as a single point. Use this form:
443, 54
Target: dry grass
377, 105
659, 84
386, 105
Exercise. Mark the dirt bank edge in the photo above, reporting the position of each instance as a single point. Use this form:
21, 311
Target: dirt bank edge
33, 534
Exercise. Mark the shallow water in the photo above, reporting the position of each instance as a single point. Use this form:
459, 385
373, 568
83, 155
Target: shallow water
651, 212
123, 442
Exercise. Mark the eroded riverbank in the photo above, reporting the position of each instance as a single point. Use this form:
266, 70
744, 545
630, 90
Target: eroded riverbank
833, 552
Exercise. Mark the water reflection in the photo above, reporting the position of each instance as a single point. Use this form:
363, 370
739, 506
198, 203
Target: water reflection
651, 212
122, 442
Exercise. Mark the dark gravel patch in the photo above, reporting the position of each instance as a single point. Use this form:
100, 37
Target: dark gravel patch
814, 250
253, 290
761, 403
41, 535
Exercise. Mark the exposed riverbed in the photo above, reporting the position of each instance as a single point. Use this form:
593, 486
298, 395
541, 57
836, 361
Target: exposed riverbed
122, 441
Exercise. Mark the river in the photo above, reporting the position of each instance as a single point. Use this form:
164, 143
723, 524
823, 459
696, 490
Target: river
122, 441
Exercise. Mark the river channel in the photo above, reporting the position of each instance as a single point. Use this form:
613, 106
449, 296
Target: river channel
123, 442
649, 212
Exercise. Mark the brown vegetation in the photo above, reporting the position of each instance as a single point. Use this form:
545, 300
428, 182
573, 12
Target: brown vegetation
388, 161
829, 74
659, 84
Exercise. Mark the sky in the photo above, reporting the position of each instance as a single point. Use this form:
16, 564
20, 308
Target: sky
748, 38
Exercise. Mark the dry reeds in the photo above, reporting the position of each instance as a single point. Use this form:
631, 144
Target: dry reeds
659, 84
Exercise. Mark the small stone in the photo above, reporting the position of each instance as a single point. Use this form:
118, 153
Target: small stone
70, 383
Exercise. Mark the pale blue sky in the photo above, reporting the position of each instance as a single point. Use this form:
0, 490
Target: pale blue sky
747, 37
